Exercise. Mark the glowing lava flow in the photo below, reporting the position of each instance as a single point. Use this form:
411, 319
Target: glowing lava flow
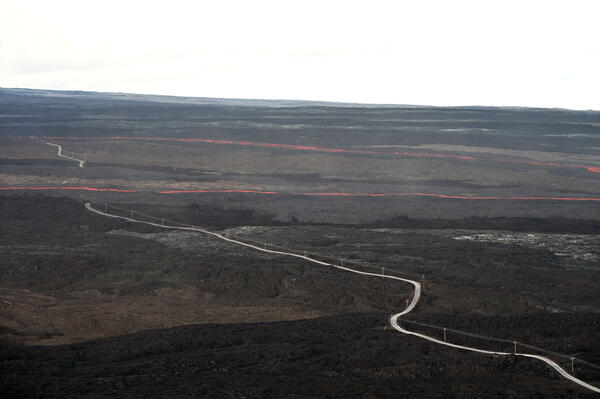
589, 168
425, 195
216, 191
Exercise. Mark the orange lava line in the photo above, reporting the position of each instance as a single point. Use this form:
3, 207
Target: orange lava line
330, 194
216, 191
591, 169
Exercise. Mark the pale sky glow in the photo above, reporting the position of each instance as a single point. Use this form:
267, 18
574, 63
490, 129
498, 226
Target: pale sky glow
525, 53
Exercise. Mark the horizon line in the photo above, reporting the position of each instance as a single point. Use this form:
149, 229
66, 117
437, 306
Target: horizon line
309, 103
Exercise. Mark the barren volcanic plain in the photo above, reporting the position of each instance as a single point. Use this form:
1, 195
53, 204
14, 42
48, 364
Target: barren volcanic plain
495, 210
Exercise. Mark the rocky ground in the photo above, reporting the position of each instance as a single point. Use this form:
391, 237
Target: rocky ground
96, 307
176, 313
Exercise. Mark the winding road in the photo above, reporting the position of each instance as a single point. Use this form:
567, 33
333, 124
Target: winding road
60, 154
394, 320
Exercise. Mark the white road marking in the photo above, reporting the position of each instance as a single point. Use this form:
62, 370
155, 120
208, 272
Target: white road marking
393, 319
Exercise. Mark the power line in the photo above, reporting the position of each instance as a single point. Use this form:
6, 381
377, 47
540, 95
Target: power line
395, 318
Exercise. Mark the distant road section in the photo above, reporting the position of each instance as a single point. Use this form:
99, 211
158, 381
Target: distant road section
293, 147
60, 154
394, 320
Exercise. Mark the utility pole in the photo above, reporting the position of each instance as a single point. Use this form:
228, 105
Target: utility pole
132, 213
444, 334
572, 364
515, 352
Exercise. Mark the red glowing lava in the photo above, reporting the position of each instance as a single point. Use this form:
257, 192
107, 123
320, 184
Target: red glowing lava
426, 195
591, 169
216, 191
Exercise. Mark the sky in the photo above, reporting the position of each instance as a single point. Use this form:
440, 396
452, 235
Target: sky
425, 52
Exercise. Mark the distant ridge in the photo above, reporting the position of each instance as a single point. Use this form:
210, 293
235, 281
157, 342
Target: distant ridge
190, 100
242, 102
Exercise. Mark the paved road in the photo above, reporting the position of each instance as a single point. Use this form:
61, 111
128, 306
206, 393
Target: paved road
393, 320
60, 154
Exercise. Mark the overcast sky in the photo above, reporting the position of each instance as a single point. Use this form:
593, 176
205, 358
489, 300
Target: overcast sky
526, 53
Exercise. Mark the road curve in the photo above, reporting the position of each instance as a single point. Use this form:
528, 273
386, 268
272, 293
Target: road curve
60, 154
393, 319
